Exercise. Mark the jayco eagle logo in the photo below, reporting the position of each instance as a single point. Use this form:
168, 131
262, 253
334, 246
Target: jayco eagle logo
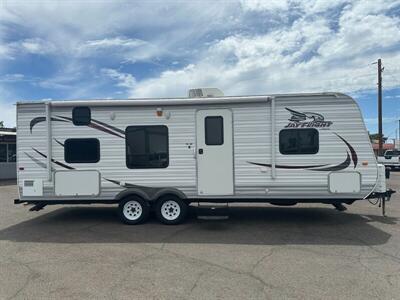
307, 119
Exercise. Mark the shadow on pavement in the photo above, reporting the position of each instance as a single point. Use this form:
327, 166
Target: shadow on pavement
246, 225
5, 182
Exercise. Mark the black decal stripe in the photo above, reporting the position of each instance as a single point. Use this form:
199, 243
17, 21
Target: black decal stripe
38, 162
95, 124
352, 151
112, 181
127, 185
65, 118
54, 161
109, 126
98, 127
287, 167
41, 119
339, 167
101, 128
36, 121
58, 142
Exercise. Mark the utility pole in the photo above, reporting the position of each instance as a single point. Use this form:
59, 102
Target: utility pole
380, 70
398, 141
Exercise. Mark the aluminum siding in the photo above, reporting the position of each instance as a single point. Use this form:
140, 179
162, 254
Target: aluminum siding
252, 138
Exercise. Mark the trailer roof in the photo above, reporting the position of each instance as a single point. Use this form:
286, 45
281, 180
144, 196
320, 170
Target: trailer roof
179, 100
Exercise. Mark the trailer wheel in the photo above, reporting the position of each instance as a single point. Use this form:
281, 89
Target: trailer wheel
171, 210
133, 210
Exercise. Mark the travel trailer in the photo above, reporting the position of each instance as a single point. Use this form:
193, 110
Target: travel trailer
163, 154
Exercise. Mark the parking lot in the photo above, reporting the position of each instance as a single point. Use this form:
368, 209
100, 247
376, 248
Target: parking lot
260, 252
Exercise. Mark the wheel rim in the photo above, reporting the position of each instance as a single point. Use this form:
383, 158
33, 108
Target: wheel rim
170, 210
132, 210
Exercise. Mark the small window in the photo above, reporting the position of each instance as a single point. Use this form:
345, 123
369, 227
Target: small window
81, 116
214, 130
147, 147
82, 150
3, 152
299, 141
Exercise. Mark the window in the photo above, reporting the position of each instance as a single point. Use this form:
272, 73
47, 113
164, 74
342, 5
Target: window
147, 147
82, 151
3, 152
8, 153
299, 141
214, 130
392, 153
81, 116
12, 155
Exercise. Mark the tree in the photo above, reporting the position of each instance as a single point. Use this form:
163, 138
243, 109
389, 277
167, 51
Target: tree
375, 137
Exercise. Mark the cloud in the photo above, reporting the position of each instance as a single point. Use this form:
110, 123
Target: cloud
119, 48
242, 47
115, 42
262, 5
123, 79
35, 46
8, 112
12, 77
306, 56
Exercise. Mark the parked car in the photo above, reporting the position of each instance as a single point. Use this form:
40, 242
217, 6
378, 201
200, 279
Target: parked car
390, 159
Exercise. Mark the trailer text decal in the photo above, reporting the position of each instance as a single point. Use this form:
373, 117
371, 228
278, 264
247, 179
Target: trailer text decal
307, 119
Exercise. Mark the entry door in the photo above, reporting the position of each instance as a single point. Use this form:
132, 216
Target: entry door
214, 152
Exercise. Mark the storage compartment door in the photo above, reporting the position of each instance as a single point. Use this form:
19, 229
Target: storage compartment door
344, 182
77, 183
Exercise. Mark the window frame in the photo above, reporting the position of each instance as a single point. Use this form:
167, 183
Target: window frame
299, 130
146, 147
80, 161
74, 112
222, 130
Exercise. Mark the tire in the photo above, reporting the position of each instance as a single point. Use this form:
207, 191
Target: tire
171, 210
133, 210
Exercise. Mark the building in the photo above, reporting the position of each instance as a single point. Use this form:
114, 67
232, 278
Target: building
385, 147
8, 153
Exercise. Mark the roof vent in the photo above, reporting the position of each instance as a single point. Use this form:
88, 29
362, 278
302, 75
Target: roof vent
205, 93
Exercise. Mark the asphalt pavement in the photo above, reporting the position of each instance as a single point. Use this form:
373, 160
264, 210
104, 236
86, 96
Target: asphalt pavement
260, 252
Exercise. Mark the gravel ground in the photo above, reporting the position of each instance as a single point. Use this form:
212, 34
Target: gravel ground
305, 252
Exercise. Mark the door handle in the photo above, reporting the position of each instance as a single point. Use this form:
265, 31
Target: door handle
200, 151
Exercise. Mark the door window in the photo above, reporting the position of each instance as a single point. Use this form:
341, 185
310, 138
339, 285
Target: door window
214, 130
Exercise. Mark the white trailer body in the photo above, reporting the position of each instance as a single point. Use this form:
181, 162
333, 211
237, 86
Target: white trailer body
279, 149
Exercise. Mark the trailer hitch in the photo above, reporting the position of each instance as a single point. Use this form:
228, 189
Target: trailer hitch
382, 198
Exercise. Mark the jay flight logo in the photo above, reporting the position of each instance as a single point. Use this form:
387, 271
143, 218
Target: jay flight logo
307, 120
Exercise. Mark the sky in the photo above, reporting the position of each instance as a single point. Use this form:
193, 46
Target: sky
134, 49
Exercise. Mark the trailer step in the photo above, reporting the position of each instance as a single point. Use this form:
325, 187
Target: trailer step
218, 211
